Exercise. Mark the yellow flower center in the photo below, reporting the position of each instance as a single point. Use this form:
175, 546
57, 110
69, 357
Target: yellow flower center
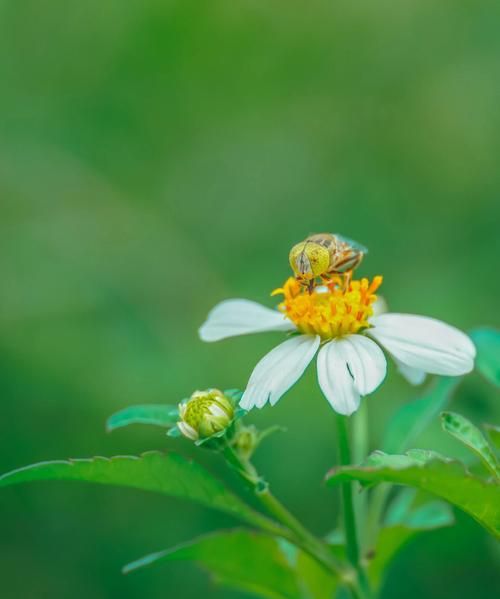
329, 311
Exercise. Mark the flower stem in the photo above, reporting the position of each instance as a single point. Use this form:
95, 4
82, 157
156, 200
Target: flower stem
300, 535
352, 546
360, 449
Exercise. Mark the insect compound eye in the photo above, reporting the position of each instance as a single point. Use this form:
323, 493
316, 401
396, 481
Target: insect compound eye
299, 260
319, 259
309, 260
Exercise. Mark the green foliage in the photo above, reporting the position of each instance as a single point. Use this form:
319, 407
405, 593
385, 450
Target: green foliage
403, 522
170, 474
467, 433
157, 414
493, 433
265, 565
487, 341
406, 509
428, 471
413, 417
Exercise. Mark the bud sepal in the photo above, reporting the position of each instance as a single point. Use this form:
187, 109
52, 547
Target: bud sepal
248, 438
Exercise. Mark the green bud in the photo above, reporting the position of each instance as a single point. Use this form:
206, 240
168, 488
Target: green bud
205, 414
245, 441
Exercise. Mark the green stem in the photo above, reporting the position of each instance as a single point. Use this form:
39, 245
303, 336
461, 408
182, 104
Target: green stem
352, 546
300, 535
360, 445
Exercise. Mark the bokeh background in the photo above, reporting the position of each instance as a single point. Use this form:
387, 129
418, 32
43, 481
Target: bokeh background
158, 156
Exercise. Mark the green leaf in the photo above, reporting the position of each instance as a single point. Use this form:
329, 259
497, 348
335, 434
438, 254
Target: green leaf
392, 538
404, 522
314, 581
425, 516
493, 433
412, 418
428, 471
261, 564
467, 433
157, 414
487, 342
170, 474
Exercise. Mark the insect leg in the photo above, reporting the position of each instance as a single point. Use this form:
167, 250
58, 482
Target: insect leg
331, 280
347, 280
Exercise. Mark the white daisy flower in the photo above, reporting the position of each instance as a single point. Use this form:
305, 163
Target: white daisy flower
348, 331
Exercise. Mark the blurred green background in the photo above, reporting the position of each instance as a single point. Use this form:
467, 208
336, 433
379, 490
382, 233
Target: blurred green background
159, 156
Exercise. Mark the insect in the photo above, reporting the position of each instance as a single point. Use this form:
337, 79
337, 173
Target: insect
324, 256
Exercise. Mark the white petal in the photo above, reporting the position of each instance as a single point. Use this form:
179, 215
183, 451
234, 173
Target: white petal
279, 370
239, 317
336, 381
349, 368
366, 362
424, 343
217, 411
188, 431
412, 375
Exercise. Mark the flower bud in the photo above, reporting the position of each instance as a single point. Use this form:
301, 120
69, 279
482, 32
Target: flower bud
205, 414
245, 441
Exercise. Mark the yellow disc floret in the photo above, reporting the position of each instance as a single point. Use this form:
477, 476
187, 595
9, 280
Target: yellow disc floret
309, 260
329, 311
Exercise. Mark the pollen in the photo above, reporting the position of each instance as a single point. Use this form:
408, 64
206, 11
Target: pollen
329, 311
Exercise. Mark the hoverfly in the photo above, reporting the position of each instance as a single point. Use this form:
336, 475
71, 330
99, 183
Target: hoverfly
323, 256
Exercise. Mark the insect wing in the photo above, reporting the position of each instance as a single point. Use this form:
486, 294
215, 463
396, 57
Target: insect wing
349, 261
353, 244
348, 256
